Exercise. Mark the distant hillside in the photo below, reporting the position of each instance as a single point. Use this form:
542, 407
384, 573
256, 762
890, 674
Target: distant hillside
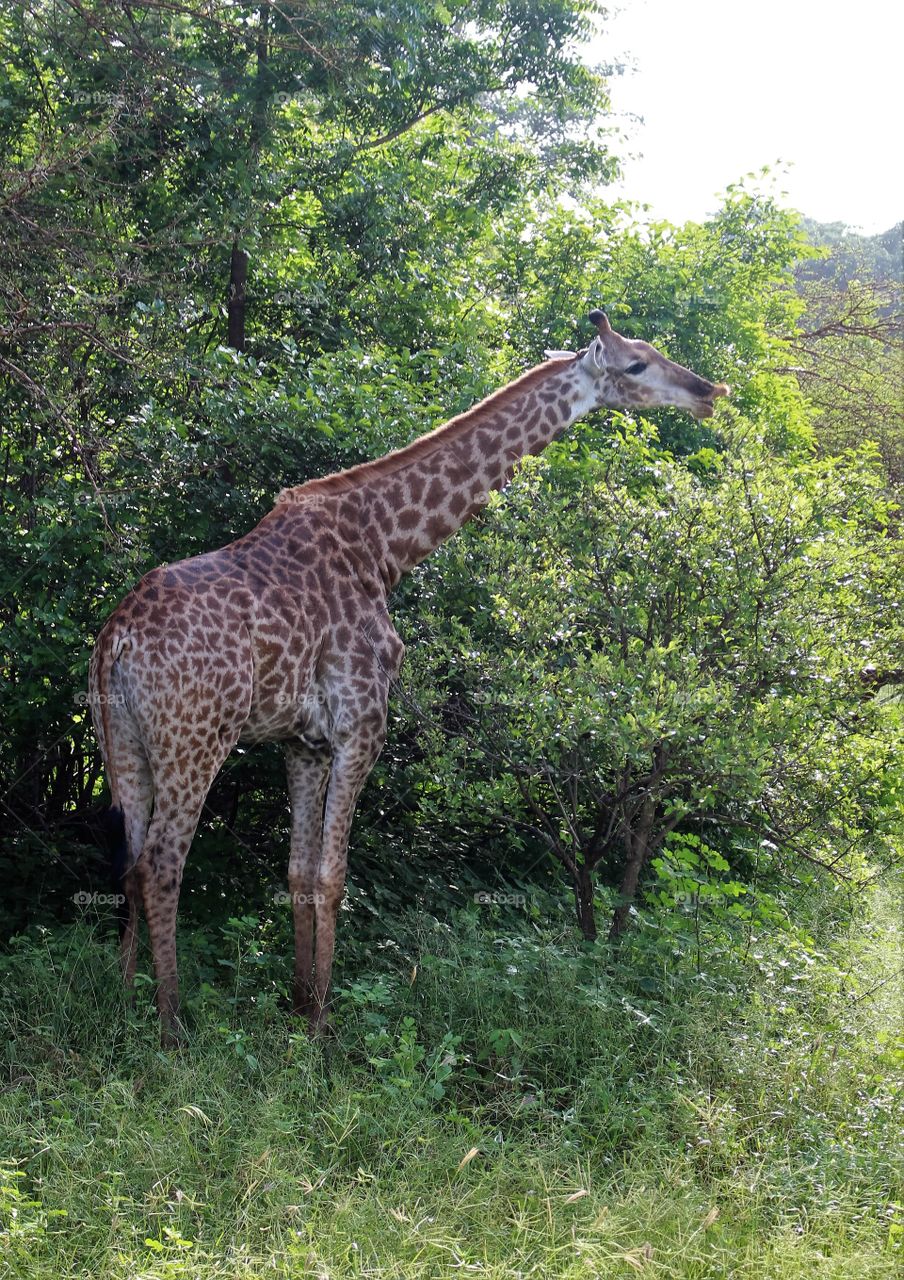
848, 349
877, 259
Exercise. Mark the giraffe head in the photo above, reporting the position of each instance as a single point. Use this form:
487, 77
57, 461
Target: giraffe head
632, 374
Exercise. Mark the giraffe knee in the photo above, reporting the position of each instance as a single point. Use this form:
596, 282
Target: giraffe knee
328, 894
159, 882
302, 892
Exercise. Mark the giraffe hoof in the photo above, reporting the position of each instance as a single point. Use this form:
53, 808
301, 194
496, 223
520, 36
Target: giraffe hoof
302, 1006
319, 1026
173, 1037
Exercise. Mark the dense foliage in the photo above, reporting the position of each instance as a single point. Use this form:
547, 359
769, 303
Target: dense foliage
847, 350
677, 660
656, 684
302, 182
244, 245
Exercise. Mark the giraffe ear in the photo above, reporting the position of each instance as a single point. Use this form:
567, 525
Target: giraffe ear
556, 355
595, 357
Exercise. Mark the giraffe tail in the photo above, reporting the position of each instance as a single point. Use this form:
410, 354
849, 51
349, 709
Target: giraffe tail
114, 828
106, 652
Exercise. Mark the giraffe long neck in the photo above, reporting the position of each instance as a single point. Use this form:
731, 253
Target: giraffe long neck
420, 495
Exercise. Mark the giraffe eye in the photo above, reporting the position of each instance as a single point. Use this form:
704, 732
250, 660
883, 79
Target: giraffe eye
636, 368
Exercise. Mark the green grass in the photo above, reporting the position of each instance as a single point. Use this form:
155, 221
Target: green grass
743, 1122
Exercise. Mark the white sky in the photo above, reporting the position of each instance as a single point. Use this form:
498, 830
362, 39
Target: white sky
812, 86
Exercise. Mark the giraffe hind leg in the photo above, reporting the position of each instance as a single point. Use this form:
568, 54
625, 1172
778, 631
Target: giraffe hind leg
126, 828
158, 876
178, 802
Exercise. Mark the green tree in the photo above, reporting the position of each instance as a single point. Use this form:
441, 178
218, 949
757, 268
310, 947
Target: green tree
847, 350
658, 648
303, 181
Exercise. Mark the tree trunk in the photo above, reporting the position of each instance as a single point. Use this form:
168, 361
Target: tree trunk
583, 901
637, 843
235, 303
238, 266
626, 894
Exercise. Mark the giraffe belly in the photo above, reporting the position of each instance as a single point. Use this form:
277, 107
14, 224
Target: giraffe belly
288, 715
287, 701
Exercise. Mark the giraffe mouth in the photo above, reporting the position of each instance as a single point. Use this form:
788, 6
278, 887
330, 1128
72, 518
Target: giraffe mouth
706, 405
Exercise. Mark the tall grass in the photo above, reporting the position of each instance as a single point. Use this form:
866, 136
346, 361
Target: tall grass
496, 1102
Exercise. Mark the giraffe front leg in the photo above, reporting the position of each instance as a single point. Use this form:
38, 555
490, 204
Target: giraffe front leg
351, 765
307, 772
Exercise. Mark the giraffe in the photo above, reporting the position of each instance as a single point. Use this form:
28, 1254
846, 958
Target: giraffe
285, 635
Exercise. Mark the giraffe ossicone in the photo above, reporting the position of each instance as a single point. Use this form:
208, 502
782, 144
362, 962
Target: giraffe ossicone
285, 635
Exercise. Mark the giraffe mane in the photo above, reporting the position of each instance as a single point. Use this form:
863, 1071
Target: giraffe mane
425, 445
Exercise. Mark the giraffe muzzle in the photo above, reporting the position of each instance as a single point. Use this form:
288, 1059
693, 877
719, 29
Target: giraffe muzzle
705, 406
